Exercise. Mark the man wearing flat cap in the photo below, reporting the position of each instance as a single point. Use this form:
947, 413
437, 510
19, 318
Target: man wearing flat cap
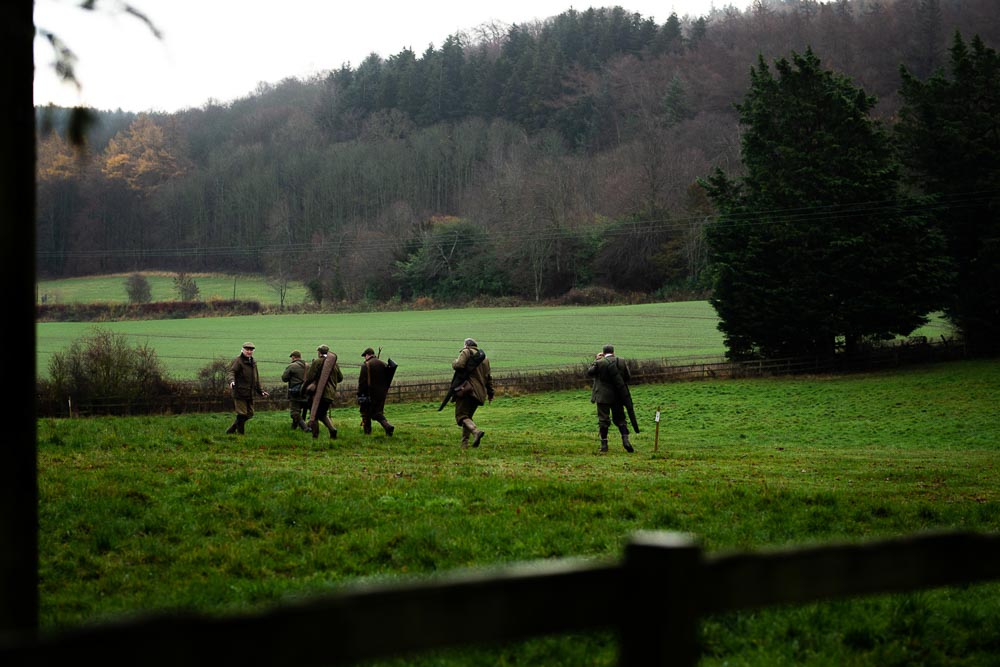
294, 376
321, 381
244, 383
373, 386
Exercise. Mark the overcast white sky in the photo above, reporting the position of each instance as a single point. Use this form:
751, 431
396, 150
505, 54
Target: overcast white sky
221, 49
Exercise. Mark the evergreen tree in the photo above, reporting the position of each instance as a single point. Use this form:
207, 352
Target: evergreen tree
670, 38
410, 89
816, 243
675, 105
699, 30
950, 137
453, 262
481, 84
513, 66
368, 83
454, 91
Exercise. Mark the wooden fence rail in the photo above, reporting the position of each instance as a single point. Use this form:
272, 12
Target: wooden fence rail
654, 597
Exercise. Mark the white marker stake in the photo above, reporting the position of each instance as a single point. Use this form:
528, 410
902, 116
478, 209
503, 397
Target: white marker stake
656, 441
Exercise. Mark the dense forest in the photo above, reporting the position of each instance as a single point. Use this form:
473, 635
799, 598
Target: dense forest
522, 160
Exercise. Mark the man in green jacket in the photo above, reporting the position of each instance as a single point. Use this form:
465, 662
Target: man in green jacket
294, 376
244, 383
323, 389
473, 366
611, 376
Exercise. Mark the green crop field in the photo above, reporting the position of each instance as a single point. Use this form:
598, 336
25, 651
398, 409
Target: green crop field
424, 343
111, 289
144, 514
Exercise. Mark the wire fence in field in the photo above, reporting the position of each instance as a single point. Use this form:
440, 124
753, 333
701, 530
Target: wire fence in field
189, 397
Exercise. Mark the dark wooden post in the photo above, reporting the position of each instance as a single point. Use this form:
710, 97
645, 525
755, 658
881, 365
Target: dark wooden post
658, 610
18, 466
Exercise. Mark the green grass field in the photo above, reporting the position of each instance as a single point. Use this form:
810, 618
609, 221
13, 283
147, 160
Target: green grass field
152, 513
424, 343
111, 288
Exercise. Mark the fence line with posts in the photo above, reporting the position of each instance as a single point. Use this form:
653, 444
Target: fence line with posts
654, 597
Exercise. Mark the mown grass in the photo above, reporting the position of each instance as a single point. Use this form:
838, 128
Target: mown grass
424, 343
111, 288
153, 513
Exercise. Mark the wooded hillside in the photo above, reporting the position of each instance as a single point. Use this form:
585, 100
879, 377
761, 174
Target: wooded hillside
519, 160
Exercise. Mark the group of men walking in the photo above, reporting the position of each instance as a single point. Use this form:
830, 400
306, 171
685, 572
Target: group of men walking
312, 389
305, 397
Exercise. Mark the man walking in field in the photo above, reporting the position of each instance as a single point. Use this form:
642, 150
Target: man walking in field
373, 387
244, 383
321, 381
472, 368
294, 376
610, 393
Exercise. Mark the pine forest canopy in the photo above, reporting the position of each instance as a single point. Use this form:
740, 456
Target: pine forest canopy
520, 161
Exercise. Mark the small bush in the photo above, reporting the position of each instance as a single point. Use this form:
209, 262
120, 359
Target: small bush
138, 289
103, 368
212, 377
423, 303
589, 296
186, 287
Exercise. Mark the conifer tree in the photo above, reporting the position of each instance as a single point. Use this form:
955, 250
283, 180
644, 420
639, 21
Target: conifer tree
816, 244
950, 136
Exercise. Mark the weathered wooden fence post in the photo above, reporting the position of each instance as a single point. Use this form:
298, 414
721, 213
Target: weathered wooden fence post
658, 610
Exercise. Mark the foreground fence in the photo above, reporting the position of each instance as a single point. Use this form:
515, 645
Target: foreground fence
653, 597
192, 399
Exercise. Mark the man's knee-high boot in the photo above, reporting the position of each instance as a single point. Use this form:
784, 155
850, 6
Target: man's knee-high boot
603, 430
625, 443
476, 433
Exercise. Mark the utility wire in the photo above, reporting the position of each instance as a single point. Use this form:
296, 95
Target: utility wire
506, 233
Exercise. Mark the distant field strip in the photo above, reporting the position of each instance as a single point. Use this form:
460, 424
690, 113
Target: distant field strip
423, 343
111, 289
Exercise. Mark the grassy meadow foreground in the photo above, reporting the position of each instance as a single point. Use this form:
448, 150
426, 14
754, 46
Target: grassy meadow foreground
151, 513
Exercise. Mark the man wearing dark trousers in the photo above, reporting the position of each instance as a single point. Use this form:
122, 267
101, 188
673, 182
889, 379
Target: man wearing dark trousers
244, 383
294, 376
373, 387
321, 381
611, 376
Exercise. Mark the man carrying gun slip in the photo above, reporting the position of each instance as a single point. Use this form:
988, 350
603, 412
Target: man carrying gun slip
471, 387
